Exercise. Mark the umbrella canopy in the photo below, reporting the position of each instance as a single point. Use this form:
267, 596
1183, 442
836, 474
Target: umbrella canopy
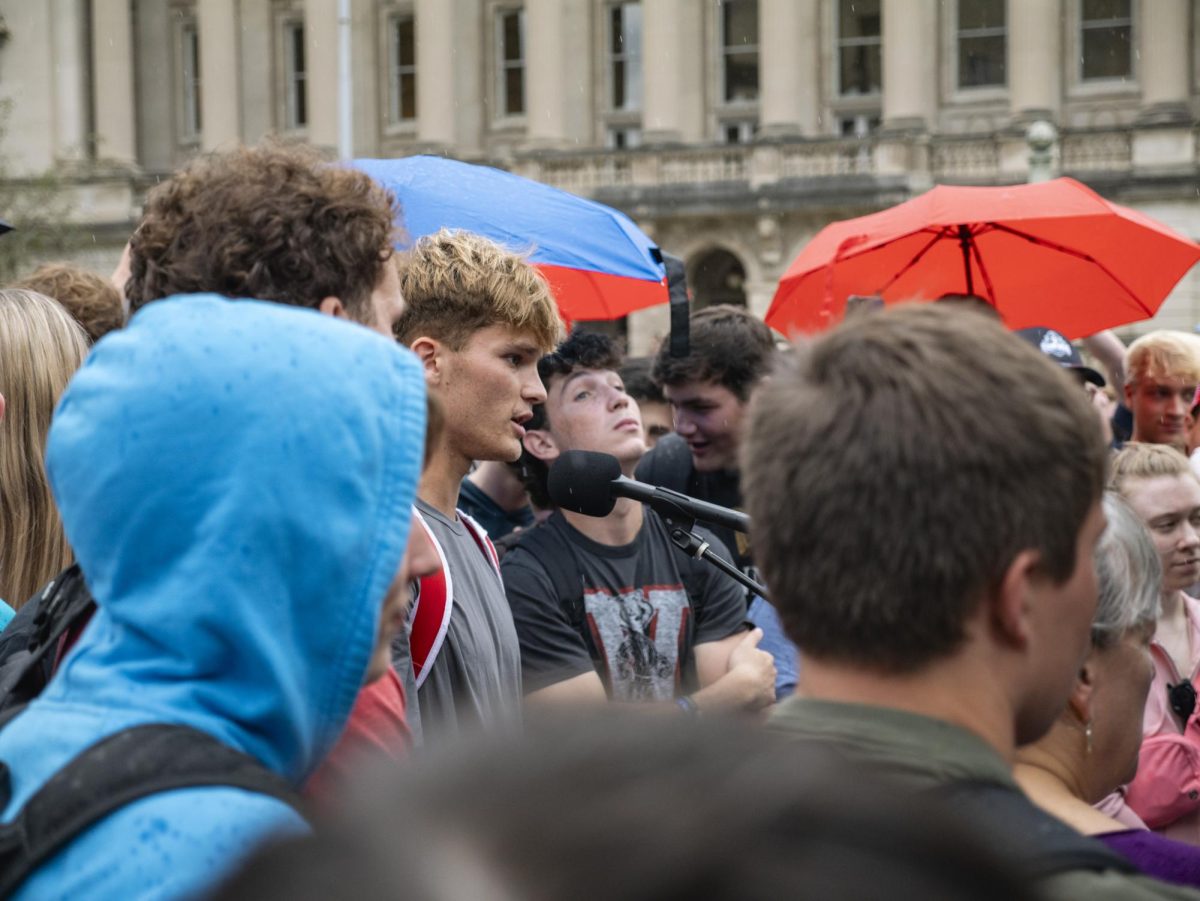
1052, 254
599, 264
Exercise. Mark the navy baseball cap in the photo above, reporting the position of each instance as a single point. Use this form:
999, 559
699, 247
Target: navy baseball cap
1062, 352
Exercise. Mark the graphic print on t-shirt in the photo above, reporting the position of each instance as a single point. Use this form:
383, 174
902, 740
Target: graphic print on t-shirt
638, 633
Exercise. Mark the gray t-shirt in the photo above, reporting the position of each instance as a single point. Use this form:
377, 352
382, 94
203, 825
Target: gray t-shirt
475, 678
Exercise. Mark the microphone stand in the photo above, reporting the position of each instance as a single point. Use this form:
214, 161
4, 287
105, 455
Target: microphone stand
680, 524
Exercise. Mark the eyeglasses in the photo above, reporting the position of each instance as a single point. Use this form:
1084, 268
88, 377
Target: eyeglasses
1182, 698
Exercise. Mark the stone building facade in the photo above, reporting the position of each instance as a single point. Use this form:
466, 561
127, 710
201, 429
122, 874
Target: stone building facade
731, 130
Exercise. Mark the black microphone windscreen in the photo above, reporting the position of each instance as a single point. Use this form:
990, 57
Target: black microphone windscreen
581, 481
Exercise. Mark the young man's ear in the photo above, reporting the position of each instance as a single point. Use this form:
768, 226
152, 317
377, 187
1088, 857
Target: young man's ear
429, 352
542, 445
333, 306
1011, 601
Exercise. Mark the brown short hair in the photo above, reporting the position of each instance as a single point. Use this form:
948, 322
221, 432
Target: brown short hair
89, 298
727, 345
273, 222
895, 469
455, 283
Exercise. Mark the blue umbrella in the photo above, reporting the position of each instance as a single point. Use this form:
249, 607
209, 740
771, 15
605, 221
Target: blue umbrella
599, 264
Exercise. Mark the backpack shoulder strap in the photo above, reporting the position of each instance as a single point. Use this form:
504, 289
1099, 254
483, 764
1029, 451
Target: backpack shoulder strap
24, 672
116, 771
1041, 844
553, 551
429, 617
486, 547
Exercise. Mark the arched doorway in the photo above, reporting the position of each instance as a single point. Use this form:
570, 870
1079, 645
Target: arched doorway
716, 276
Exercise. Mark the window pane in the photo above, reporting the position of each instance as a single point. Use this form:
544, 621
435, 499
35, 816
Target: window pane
1107, 9
860, 69
408, 96
512, 37
297, 35
406, 43
741, 23
980, 14
616, 30
618, 84
981, 61
514, 91
1106, 52
741, 76
859, 19
301, 103
632, 31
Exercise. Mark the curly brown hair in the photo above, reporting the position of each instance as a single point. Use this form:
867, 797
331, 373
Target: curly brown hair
89, 298
272, 222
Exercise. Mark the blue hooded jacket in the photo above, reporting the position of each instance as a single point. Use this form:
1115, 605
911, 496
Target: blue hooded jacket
236, 479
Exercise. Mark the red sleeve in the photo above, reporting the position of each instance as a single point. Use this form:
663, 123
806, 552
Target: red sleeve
377, 727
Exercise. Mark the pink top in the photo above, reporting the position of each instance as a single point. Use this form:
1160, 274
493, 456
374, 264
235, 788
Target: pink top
1166, 791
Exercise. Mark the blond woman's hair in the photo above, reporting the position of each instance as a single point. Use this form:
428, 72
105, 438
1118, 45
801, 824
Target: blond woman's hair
1163, 354
41, 346
1142, 460
455, 283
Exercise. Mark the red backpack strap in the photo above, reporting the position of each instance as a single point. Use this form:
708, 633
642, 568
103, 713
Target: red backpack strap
485, 544
430, 617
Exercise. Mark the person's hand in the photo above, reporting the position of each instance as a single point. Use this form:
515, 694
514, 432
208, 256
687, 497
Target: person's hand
748, 684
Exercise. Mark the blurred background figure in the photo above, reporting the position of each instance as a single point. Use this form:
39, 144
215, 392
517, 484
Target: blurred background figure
639, 809
1093, 746
89, 298
41, 346
656, 412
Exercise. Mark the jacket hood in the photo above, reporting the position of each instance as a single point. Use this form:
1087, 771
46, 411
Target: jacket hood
235, 478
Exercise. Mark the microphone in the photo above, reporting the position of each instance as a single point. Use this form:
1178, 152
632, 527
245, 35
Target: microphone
589, 483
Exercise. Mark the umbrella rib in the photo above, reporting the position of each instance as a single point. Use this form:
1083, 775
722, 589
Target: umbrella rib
937, 236
987, 281
1062, 248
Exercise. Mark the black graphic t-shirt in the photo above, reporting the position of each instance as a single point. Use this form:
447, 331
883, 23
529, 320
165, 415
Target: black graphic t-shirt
638, 625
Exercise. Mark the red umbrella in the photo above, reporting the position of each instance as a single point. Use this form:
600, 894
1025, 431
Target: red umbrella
1052, 254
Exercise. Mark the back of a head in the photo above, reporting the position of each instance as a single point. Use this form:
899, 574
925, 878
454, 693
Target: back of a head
895, 469
272, 222
1163, 354
89, 298
455, 283
727, 345
41, 346
1128, 575
630, 807
638, 381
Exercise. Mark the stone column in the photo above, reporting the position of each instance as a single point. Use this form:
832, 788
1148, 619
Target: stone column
217, 27
909, 64
70, 102
1035, 62
788, 67
321, 76
1163, 136
436, 82
662, 81
544, 87
1164, 40
112, 53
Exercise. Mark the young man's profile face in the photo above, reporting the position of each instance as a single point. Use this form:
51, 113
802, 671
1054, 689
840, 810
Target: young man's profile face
588, 409
1161, 406
488, 391
708, 416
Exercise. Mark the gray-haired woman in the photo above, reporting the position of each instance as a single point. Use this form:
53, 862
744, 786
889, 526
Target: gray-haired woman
1092, 749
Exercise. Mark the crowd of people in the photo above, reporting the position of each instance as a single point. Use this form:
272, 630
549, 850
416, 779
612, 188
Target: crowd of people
295, 609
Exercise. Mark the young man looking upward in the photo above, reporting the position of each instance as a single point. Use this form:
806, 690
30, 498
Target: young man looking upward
650, 623
924, 489
478, 318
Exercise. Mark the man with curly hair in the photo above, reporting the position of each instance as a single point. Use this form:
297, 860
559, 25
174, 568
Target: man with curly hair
608, 607
272, 222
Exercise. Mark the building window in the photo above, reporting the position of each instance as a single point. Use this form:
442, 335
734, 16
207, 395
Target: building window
295, 74
860, 126
189, 59
982, 43
860, 47
1106, 39
739, 50
738, 132
625, 56
402, 63
621, 137
510, 51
